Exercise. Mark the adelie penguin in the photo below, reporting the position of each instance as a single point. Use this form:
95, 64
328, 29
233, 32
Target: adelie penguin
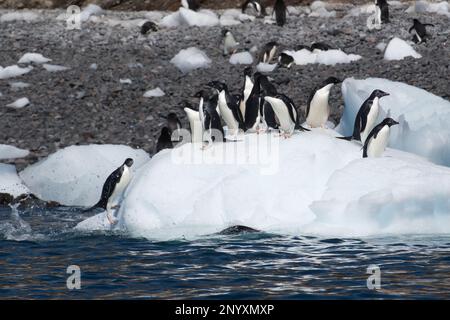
382, 8
246, 90
268, 118
190, 4
148, 26
286, 113
318, 109
229, 108
164, 140
366, 117
195, 125
378, 139
420, 31
113, 189
230, 44
319, 46
285, 60
268, 52
211, 123
255, 5
174, 125
279, 10
252, 115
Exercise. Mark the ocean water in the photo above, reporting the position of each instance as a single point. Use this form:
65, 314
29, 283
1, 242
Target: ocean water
37, 246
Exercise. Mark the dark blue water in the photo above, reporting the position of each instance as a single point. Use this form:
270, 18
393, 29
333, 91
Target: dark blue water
37, 246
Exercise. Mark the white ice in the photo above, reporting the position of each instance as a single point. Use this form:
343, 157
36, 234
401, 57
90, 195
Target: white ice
187, 17
265, 67
19, 103
423, 117
190, 59
19, 85
13, 71
442, 7
33, 57
319, 9
241, 58
90, 10
21, 15
398, 49
11, 152
311, 183
234, 16
74, 176
329, 57
157, 92
10, 182
54, 67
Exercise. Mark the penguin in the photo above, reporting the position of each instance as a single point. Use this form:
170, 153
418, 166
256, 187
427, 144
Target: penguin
148, 26
420, 32
190, 4
285, 60
286, 113
378, 139
229, 108
246, 90
256, 5
268, 118
113, 189
268, 52
212, 126
366, 117
318, 109
382, 11
252, 115
230, 44
174, 126
279, 10
195, 124
319, 46
164, 140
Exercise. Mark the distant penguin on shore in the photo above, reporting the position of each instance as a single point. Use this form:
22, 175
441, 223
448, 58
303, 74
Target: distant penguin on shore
230, 44
420, 31
318, 109
382, 11
164, 140
148, 26
279, 10
285, 60
268, 52
366, 117
190, 4
113, 189
256, 5
378, 139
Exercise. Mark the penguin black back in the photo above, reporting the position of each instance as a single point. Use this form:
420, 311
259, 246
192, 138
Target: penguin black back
149, 26
384, 8
280, 12
421, 31
164, 140
374, 133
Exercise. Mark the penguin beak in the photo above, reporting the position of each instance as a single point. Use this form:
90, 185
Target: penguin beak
395, 123
383, 94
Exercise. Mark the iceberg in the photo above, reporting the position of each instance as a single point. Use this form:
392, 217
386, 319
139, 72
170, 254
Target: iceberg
423, 117
288, 188
74, 176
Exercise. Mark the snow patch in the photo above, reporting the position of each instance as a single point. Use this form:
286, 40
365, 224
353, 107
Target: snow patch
27, 16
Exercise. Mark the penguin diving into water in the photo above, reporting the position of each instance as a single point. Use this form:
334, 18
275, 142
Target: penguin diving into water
286, 113
366, 117
113, 189
420, 31
229, 108
318, 109
378, 139
230, 44
256, 5
279, 10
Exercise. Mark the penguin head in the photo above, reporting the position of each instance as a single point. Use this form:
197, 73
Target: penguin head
390, 122
172, 117
225, 32
331, 80
129, 162
248, 71
219, 86
271, 44
379, 93
416, 21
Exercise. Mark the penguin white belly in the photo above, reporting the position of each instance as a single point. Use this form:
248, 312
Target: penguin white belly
227, 114
319, 110
371, 120
120, 187
282, 114
419, 39
230, 45
247, 90
377, 145
195, 124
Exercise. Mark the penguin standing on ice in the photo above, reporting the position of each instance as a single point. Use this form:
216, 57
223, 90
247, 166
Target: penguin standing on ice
229, 108
366, 117
279, 10
212, 126
252, 115
268, 52
286, 113
230, 44
268, 118
113, 189
164, 140
256, 5
318, 109
246, 90
148, 26
382, 11
195, 125
190, 4
378, 139
420, 32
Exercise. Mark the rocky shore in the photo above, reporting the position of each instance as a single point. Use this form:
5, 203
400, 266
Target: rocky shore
88, 103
